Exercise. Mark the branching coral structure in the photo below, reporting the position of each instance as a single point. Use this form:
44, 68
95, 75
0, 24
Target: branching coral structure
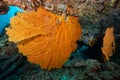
108, 43
45, 38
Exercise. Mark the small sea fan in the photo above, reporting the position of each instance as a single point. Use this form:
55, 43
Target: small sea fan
108, 43
45, 38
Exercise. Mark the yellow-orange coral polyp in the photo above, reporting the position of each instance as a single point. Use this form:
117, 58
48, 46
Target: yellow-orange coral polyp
45, 38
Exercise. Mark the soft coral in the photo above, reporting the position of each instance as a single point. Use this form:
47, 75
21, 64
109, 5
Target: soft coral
108, 43
45, 38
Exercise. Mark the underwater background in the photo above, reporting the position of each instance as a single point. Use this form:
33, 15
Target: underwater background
86, 62
5, 18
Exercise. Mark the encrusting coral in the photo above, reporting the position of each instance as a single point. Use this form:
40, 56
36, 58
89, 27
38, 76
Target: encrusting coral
45, 38
108, 43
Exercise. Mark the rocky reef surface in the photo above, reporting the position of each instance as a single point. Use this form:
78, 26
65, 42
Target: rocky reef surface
14, 66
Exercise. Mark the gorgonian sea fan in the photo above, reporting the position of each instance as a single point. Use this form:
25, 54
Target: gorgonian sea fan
108, 43
45, 38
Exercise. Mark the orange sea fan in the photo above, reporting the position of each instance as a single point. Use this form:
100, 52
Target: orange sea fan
31, 24
108, 43
45, 38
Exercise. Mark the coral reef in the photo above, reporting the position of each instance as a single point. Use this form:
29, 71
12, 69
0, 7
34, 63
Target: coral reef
3, 7
95, 15
86, 70
7, 48
8, 64
15, 66
86, 63
24, 4
10, 59
46, 39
